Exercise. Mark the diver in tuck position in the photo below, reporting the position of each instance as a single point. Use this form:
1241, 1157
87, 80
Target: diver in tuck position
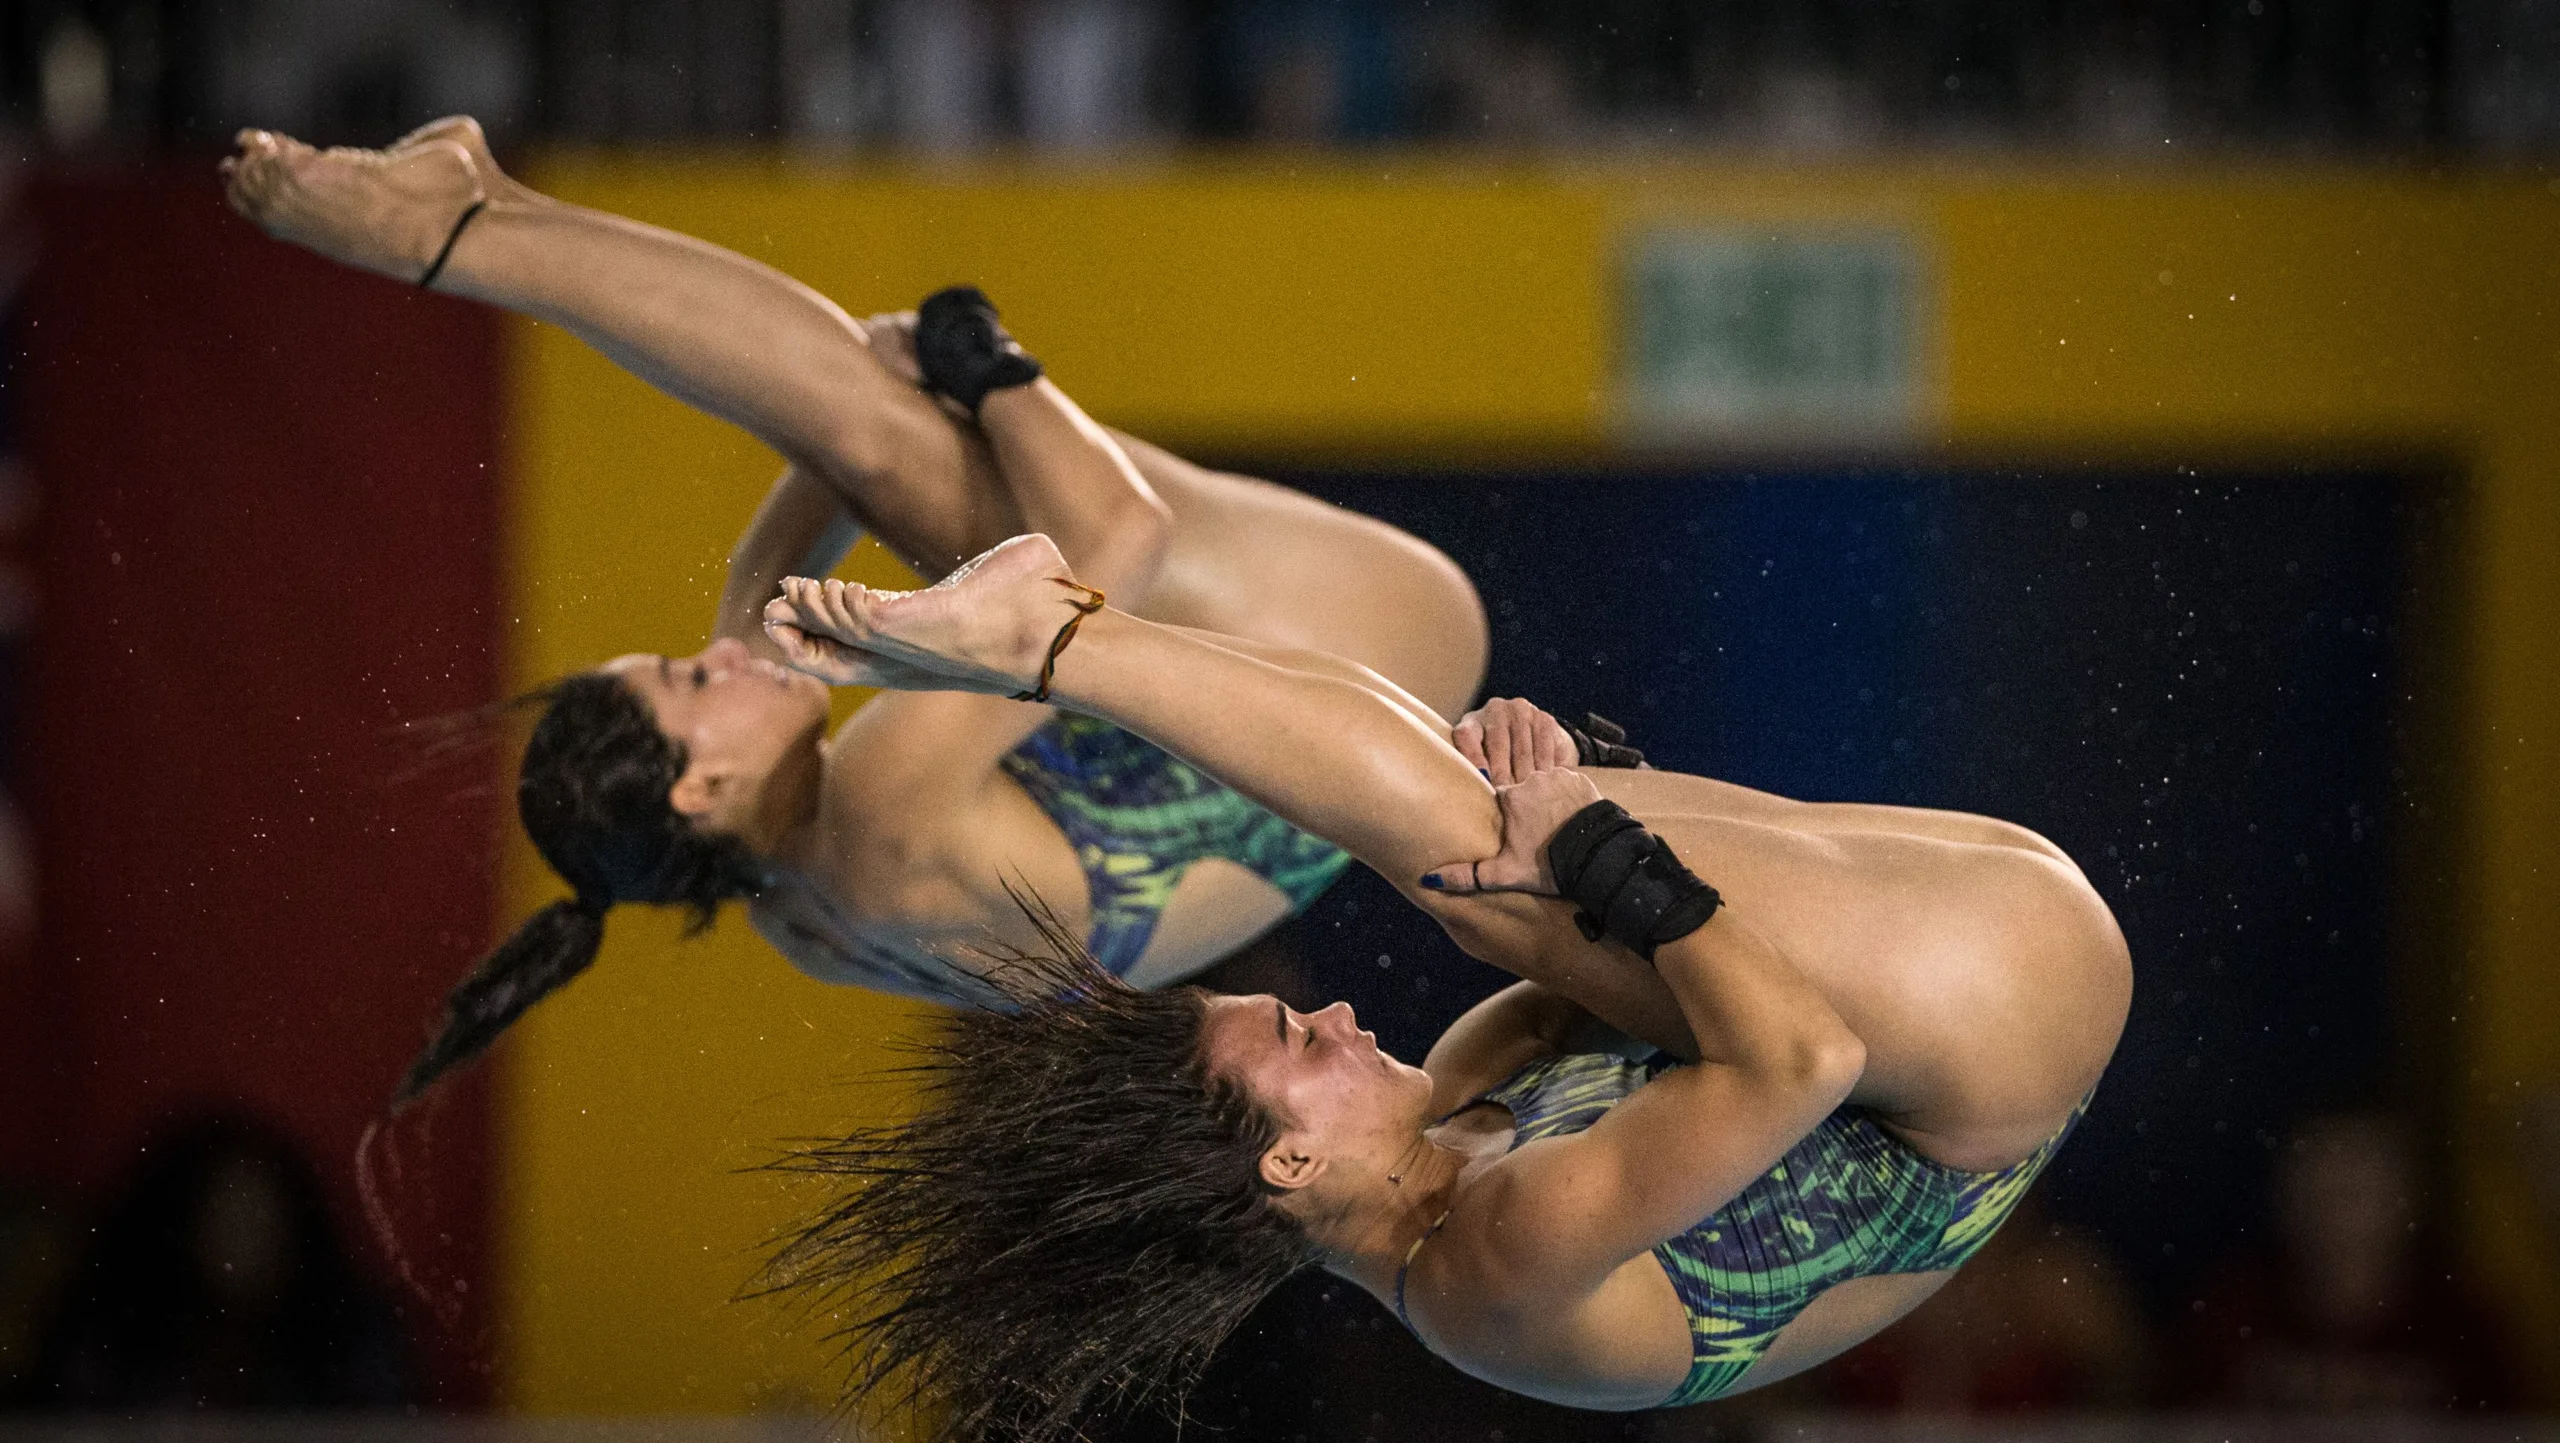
1876, 1025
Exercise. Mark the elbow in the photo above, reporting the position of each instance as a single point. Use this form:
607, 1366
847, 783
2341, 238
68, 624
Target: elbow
1826, 1061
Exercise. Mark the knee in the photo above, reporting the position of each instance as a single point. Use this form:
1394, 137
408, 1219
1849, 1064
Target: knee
1125, 541
1145, 526
860, 443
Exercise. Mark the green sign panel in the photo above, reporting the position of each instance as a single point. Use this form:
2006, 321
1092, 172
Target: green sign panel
1742, 332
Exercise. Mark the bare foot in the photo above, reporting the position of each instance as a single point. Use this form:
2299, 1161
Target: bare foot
984, 628
388, 212
464, 131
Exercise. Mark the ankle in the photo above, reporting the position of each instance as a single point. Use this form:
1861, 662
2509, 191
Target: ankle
452, 239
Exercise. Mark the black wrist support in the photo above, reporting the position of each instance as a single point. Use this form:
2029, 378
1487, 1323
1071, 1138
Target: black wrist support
1626, 881
963, 351
1600, 742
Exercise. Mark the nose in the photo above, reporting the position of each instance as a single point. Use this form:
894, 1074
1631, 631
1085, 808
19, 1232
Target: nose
1340, 1015
725, 654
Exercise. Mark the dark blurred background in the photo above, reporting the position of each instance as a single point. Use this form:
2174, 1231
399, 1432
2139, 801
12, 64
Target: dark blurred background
2297, 77
2252, 615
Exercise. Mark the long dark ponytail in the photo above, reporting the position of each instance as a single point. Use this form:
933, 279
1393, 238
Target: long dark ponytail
592, 794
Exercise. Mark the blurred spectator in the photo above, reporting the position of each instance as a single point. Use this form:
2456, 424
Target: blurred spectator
2349, 1311
363, 71
942, 72
2041, 1318
1084, 67
215, 1281
1490, 76
946, 77
1308, 72
2373, 76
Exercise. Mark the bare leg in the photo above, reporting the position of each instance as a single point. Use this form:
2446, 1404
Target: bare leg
1252, 559
1327, 755
1330, 756
749, 344
1067, 477
714, 329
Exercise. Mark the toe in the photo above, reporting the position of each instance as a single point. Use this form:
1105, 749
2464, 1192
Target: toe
248, 182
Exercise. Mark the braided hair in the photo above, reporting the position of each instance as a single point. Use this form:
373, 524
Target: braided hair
592, 794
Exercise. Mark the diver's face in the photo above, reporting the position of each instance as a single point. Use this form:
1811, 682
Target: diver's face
1338, 1098
736, 714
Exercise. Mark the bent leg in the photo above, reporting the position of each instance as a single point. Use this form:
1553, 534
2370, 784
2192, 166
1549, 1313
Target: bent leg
1256, 560
742, 341
1326, 754
1071, 481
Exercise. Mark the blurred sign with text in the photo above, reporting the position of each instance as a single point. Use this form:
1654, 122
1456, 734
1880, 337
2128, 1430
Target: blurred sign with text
1746, 334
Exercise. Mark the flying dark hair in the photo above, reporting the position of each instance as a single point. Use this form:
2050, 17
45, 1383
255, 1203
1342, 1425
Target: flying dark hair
592, 793
1072, 1219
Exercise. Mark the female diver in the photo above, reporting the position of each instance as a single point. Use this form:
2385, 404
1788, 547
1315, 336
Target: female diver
693, 780
1889, 1019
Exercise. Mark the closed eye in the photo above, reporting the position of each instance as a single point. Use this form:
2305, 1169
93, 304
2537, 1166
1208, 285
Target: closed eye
1281, 1020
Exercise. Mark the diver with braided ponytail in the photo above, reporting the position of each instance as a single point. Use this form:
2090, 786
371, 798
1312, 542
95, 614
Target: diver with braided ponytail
875, 856
593, 797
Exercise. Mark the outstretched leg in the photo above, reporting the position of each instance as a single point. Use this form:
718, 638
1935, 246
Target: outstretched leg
744, 342
1327, 755
712, 328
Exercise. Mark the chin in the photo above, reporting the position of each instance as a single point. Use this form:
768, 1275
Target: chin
1409, 1077
813, 695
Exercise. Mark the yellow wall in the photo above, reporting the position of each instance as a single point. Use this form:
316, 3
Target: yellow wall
1406, 309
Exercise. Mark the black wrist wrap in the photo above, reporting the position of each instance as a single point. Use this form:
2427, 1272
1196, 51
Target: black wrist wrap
1626, 881
962, 350
1600, 742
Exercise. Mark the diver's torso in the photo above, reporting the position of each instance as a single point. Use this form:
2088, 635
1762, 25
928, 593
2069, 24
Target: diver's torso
905, 904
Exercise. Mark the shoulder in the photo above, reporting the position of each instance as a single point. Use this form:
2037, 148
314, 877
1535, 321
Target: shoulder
1488, 1296
903, 751
1515, 1235
902, 858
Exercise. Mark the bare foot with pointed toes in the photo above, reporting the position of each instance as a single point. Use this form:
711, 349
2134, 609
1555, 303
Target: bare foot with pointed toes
389, 212
984, 628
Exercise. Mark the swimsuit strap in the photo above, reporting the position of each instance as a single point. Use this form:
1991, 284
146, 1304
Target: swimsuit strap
1407, 1265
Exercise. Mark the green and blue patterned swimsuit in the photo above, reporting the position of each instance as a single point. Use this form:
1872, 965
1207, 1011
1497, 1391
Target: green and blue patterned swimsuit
1139, 818
1848, 1201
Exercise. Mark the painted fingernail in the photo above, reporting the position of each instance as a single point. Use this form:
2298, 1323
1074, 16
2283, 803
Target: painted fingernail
1431, 882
